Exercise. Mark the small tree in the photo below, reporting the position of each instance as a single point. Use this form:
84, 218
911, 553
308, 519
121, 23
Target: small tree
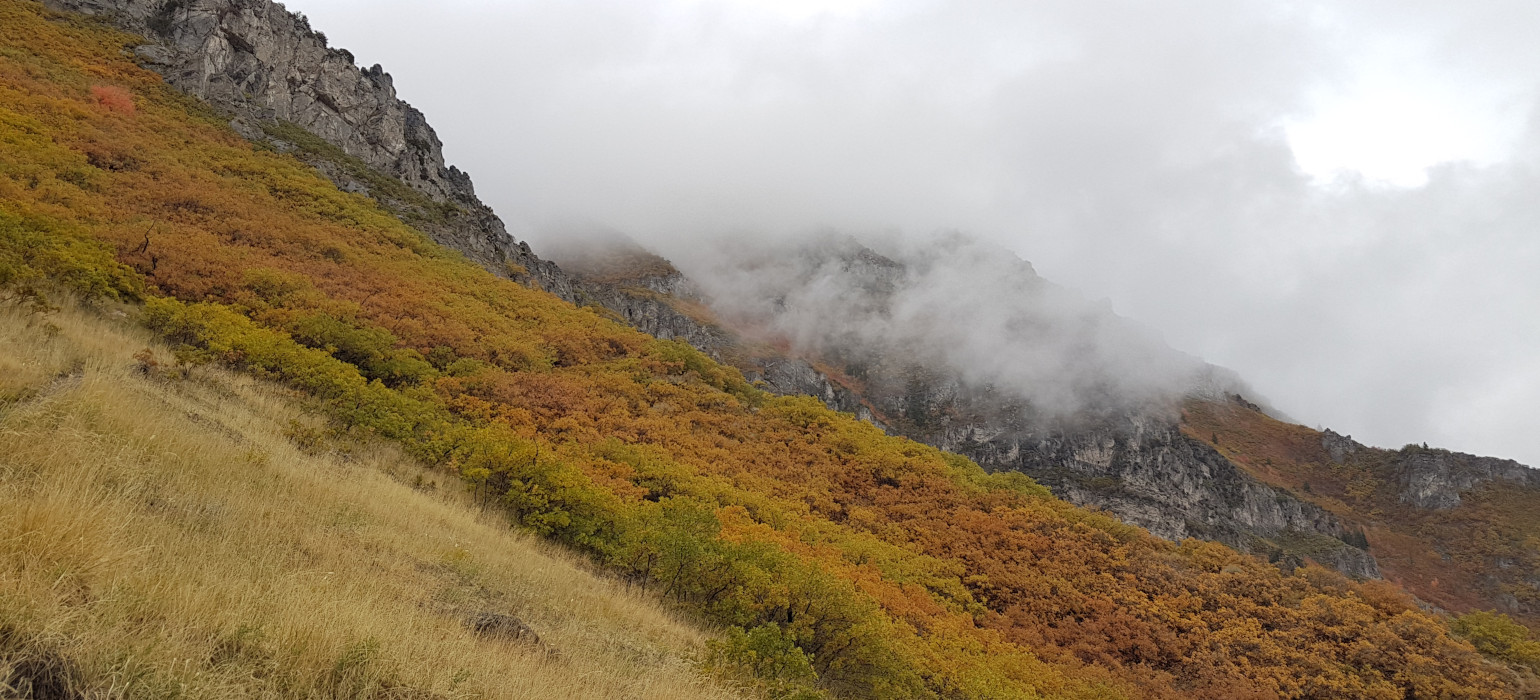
114, 98
1498, 636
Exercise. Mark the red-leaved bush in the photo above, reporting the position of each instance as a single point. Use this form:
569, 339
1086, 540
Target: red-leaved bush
114, 98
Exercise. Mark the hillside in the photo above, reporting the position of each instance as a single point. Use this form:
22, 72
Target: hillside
834, 560
200, 534
1455, 530
1452, 529
964, 347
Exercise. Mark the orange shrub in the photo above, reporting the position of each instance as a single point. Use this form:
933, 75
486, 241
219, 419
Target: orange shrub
114, 98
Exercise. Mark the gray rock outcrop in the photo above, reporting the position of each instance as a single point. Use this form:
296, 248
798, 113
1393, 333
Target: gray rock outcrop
644, 304
264, 66
1134, 463
790, 376
1434, 479
1143, 469
1431, 478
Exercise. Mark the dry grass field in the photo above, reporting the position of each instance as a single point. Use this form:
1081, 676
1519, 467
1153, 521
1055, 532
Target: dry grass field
196, 535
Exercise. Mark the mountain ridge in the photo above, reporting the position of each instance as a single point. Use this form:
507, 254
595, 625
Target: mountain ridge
1450, 527
232, 53
263, 66
855, 564
1135, 463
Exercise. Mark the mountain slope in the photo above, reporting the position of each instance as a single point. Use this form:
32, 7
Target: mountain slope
1128, 457
1453, 528
1456, 530
838, 561
200, 536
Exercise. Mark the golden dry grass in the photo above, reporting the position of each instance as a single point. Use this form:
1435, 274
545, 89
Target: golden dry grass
161, 536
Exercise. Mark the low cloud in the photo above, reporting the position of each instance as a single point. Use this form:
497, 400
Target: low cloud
1131, 151
949, 303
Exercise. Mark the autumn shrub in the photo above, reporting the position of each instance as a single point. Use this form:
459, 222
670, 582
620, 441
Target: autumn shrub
36, 249
1498, 636
775, 665
372, 350
114, 98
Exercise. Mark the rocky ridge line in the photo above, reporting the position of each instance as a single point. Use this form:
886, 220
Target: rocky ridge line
1432, 478
264, 67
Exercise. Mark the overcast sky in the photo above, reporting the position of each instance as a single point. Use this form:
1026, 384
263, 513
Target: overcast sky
1340, 201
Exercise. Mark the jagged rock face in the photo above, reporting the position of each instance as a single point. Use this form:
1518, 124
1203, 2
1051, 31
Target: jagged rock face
639, 288
262, 64
255, 58
644, 307
1144, 470
790, 376
1339, 447
1434, 479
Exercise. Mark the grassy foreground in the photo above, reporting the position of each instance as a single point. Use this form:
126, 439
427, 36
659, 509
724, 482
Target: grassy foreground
163, 535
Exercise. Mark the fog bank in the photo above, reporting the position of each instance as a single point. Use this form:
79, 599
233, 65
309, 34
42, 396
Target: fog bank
950, 303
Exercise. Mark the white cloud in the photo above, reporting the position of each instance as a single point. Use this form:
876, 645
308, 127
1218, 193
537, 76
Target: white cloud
1400, 111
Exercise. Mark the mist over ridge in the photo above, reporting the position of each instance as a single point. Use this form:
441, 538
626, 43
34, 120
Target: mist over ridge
948, 301
894, 305
1139, 153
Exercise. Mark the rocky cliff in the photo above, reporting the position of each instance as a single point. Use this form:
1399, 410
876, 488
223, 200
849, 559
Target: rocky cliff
650, 304
1430, 478
1133, 461
281, 84
1435, 479
1141, 467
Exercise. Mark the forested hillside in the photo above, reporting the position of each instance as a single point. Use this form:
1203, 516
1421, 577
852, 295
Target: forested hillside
197, 534
833, 560
1455, 530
